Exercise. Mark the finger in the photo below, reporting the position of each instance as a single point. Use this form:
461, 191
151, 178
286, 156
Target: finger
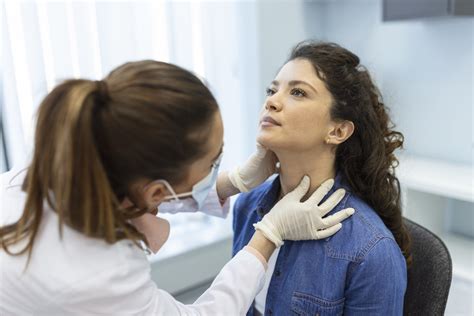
338, 217
320, 193
325, 233
261, 151
332, 201
260, 146
301, 189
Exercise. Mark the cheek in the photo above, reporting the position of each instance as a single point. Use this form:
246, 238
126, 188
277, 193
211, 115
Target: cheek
196, 177
308, 124
308, 132
307, 129
304, 126
193, 176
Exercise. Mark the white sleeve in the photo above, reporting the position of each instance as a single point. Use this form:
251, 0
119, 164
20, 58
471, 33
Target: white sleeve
132, 292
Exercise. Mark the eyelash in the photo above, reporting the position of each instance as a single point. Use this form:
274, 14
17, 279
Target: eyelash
269, 92
300, 92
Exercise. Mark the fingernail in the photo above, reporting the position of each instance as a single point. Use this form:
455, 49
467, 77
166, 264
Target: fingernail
350, 211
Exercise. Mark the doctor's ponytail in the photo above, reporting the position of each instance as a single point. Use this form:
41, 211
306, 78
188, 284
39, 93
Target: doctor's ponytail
94, 138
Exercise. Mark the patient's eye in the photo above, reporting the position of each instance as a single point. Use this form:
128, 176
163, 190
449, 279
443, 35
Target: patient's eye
297, 92
269, 92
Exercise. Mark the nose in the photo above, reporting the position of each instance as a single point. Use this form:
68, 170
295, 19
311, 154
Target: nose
273, 104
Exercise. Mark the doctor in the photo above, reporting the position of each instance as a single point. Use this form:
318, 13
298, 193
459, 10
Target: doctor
108, 156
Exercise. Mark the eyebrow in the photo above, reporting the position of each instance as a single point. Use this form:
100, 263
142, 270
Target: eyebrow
293, 83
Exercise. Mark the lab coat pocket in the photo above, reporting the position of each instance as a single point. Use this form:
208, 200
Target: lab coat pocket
305, 304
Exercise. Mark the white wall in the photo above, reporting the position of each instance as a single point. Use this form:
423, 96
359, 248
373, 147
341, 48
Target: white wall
424, 68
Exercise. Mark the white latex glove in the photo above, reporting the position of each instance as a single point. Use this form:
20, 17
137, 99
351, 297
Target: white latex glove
291, 219
260, 165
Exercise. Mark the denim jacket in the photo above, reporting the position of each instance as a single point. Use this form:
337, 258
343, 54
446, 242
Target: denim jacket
358, 271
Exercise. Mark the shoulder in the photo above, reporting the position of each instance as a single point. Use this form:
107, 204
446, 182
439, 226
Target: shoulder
360, 233
383, 271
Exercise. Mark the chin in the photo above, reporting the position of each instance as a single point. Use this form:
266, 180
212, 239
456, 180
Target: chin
277, 143
268, 141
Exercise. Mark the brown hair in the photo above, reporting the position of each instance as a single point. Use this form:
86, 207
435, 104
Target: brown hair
367, 158
146, 119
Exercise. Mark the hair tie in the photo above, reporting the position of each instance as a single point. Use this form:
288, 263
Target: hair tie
102, 90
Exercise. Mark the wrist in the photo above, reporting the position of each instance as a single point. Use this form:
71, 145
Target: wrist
236, 180
262, 244
224, 186
269, 231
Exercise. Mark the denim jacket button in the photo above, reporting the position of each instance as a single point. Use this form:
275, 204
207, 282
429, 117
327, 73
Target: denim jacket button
270, 312
277, 273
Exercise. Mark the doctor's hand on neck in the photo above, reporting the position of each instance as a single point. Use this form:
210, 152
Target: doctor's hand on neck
253, 172
294, 219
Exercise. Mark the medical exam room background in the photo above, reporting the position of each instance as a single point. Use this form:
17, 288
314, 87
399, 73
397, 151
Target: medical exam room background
423, 66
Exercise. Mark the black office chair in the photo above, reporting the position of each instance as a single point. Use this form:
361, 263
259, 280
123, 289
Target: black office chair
429, 277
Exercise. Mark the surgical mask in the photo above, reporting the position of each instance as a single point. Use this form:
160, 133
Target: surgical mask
195, 198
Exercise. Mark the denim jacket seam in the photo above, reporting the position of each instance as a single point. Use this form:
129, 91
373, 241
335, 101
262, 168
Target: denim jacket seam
359, 256
366, 222
371, 245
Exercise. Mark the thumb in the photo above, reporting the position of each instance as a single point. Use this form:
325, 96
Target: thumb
302, 188
261, 151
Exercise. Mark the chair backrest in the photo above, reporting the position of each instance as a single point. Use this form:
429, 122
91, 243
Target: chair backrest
429, 277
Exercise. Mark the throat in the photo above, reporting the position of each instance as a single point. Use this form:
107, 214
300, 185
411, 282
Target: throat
291, 176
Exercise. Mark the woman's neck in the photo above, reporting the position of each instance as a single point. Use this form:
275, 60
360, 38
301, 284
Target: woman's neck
293, 166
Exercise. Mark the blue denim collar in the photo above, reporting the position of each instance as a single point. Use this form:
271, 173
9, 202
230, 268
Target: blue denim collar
269, 196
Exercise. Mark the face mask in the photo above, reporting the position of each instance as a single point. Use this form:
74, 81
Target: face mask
196, 197
179, 206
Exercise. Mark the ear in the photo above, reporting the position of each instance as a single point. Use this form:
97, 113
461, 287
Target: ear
154, 193
340, 132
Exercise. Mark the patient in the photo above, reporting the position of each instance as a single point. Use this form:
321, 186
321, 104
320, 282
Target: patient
324, 117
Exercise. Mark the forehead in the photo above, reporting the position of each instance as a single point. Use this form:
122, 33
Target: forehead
298, 69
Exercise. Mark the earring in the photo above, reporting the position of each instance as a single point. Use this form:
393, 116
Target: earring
327, 141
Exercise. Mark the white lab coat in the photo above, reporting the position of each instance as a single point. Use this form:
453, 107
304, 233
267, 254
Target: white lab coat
85, 276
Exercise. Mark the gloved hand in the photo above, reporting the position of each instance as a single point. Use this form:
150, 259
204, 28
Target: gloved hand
291, 219
260, 165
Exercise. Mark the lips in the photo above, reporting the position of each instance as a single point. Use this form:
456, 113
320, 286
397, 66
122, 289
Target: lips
269, 120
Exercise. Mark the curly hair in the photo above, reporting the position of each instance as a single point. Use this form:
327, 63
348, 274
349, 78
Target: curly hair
367, 158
